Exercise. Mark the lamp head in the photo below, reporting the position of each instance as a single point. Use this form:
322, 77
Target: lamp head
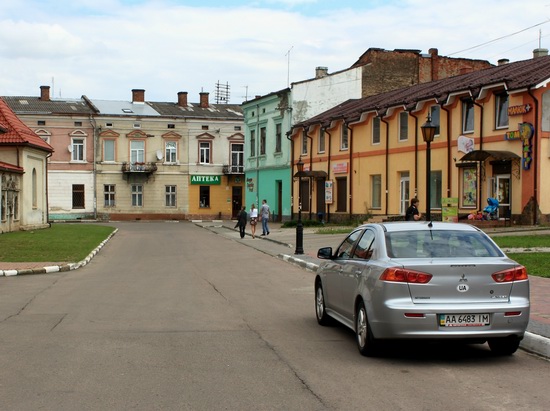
300, 165
428, 130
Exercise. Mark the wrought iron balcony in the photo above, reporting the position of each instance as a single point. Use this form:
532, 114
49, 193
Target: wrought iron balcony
233, 169
146, 168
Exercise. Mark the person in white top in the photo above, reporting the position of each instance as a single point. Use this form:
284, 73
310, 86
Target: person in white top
253, 219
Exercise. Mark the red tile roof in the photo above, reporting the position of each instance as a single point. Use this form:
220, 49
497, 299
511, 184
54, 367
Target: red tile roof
10, 167
14, 132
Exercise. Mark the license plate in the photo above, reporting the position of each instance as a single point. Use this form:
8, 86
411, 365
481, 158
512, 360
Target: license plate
464, 320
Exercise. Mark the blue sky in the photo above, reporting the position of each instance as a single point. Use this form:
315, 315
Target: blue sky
105, 48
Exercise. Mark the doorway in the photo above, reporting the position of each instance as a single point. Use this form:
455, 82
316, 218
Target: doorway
237, 200
404, 194
500, 189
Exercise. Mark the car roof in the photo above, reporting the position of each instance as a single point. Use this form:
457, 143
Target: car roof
422, 225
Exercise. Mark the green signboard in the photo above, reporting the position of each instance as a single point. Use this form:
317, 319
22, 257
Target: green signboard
206, 180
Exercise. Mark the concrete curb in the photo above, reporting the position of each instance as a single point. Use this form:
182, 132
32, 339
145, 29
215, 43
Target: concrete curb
59, 268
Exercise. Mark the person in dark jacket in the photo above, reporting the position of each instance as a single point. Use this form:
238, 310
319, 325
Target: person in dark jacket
412, 213
241, 221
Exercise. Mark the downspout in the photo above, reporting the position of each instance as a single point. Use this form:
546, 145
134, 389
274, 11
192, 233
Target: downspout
94, 170
350, 145
449, 149
415, 155
328, 170
537, 159
480, 148
387, 159
257, 152
47, 192
310, 169
289, 138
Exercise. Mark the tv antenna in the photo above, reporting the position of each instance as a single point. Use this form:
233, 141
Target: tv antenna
222, 93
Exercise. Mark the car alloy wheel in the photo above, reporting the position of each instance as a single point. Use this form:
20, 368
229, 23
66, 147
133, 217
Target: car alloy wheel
365, 340
320, 309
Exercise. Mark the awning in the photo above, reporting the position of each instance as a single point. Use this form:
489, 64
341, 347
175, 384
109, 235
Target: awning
316, 174
482, 155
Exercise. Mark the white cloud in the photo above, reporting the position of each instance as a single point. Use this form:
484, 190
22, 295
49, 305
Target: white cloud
104, 48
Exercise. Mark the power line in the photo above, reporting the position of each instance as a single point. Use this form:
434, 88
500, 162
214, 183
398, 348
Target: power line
500, 38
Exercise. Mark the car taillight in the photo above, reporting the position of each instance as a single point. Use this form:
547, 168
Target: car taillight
512, 274
401, 275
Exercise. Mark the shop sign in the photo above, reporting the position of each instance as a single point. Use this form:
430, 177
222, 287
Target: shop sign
206, 180
340, 168
519, 110
250, 183
524, 133
328, 192
449, 209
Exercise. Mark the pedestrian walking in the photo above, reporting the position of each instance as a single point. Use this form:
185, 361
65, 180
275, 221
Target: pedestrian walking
253, 219
242, 218
265, 213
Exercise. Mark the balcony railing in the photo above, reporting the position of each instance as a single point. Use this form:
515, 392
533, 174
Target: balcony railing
233, 169
139, 167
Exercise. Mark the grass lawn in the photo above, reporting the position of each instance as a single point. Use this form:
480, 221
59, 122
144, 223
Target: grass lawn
62, 243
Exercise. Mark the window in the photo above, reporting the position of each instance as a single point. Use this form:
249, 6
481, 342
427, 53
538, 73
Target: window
263, 133
78, 195
41, 122
468, 116
304, 143
321, 147
435, 189
435, 112
204, 196
170, 125
34, 189
77, 147
341, 194
137, 125
376, 130
171, 149
109, 195
78, 123
344, 137
108, 150
137, 195
204, 127
501, 110
109, 125
376, 187
237, 158
3, 205
137, 151
237, 128
252, 143
170, 196
403, 126
278, 137
204, 152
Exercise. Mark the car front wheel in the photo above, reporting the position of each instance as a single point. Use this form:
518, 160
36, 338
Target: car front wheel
504, 346
366, 342
320, 308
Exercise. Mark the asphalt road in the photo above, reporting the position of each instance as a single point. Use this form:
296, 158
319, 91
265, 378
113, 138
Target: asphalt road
175, 317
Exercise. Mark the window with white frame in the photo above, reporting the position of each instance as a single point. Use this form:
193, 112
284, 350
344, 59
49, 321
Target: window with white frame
435, 115
263, 137
375, 130
321, 146
501, 110
170, 196
304, 142
170, 152
376, 187
403, 126
77, 148
137, 151
237, 158
252, 143
278, 137
344, 138
137, 195
467, 116
204, 152
108, 150
109, 195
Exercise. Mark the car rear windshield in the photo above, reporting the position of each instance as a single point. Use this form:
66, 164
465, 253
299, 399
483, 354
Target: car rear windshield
440, 244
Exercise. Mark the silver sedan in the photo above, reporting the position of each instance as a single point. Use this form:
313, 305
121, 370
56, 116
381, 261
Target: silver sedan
423, 280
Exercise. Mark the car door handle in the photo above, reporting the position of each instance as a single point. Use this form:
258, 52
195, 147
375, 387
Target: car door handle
358, 272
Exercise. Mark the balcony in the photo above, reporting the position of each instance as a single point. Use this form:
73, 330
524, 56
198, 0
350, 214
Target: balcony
142, 168
233, 169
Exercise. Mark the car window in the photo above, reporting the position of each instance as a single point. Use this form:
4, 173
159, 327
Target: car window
344, 251
364, 248
440, 244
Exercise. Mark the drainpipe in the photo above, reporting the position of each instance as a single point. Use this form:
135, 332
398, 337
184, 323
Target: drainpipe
449, 148
257, 155
537, 159
415, 155
481, 148
95, 134
47, 192
310, 169
387, 159
327, 206
289, 138
350, 147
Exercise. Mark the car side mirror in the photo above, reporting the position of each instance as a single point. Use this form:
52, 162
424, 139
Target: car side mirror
324, 253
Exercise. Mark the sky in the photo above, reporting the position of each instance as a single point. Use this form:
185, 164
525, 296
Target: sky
105, 48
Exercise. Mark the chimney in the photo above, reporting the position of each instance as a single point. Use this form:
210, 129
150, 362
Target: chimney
204, 99
502, 62
540, 53
45, 93
321, 72
182, 99
138, 95
434, 62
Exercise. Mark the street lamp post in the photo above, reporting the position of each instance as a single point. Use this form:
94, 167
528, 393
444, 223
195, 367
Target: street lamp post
299, 225
428, 133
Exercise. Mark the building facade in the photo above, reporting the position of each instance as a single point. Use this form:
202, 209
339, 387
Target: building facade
491, 141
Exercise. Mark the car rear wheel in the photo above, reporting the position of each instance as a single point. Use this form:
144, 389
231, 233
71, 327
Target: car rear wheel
365, 340
504, 346
320, 309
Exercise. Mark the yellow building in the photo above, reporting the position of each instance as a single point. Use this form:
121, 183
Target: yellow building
367, 157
